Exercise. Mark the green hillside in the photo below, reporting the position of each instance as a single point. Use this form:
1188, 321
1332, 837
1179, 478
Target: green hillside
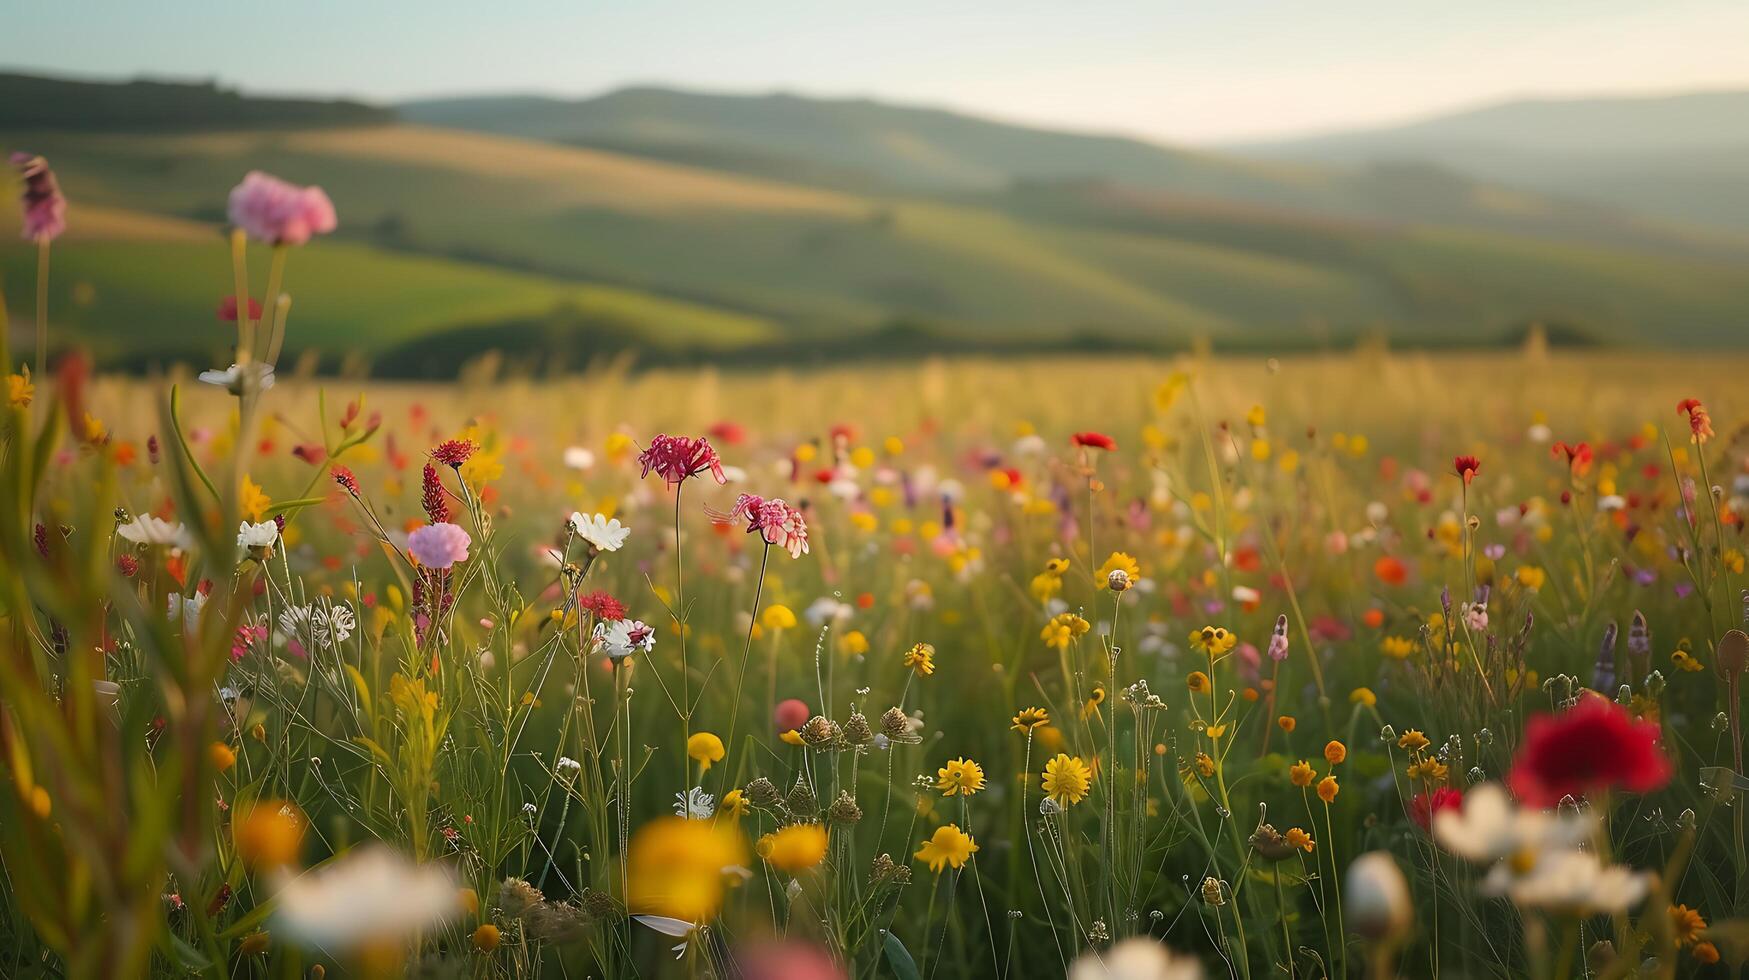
144, 105
454, 242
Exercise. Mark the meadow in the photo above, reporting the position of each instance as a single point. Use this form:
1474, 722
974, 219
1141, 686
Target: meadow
1354, 664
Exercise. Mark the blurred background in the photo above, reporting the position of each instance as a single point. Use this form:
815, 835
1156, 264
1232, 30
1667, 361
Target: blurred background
790, 182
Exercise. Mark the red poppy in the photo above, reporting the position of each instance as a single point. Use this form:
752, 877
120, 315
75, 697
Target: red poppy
1466, 467
1423, 806
1390, 571
1094, 440
1595, 745
1578, 455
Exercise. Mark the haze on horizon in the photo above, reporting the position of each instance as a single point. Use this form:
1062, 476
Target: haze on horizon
1169, 72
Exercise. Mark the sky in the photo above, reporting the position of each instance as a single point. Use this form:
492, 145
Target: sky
1181, 71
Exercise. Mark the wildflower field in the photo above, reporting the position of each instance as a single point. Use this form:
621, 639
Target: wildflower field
1357, 664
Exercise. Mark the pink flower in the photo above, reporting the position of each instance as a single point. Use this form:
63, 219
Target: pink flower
45, 210
679, 458
775, 521
270, 210
439, 545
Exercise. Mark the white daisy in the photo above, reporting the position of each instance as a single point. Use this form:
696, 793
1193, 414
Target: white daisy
605, 533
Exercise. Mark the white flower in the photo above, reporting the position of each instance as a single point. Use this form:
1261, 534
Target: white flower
326, 627
1611, 502
828, 610
369, 895
695, 804
567, 767
624, 637
1376, 898
1136, 958
1376, 512
146, 529
605, 533
261, 535
678, 928
186, 610
1029, 445
1575, 882
1539, 433
578, 458
1489, 827
231, 378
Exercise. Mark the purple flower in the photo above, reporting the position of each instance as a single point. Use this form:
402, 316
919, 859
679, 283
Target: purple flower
45, 210
270, 210
439, 545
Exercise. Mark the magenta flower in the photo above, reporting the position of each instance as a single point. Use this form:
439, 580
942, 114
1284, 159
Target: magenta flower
775, 521
45, 209
438, 545
678, 458
270, 210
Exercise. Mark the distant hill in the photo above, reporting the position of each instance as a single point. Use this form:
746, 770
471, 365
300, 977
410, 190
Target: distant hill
31, 101
452, 242
874, 147
1680, 157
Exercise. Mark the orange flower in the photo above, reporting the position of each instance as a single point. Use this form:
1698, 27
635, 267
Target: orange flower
1301, 774
1390, 571
1287, 723
1327, 789
1335, 752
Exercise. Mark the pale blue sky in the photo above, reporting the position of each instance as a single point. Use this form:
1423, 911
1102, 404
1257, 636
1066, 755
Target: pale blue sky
1167, 69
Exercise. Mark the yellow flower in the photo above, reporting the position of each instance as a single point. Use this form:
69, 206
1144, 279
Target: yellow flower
1027, 719
1205, 765
1412, 740
920, 659
855, 644
1093, 702
1056, 566
1198, 682
1684, 660
704, 748
1686, 924
1530, 577
675, 867
1062, 629
1299, 838
791, 737
1119, 562
1045, 586
797, 847
1066, 779
1363, 695
1327, 789
734, 804
1429, 769
1166, 394
949, 847
269, 834
252, 502
19, 390
1335, 752
777, 617
1213, 640
961, 777
485, 938
223, 756
1397, 647
1301, 774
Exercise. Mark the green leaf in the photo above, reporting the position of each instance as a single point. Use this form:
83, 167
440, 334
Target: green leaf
900, 959
188, 957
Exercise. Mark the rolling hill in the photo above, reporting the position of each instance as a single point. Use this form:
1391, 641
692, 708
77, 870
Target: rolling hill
1681, 157
453, 242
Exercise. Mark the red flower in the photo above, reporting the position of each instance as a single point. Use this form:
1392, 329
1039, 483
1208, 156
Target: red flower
1699, 422
431, 496
679, 458
602, 606
228, 309
1466, 467
1093, 440
455, 452
310, 452
346, 480
1595, 745
1423, 806
1578, 456
728, 433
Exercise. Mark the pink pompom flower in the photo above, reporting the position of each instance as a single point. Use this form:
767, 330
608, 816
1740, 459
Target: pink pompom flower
439, 545
45, 208
279, 213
